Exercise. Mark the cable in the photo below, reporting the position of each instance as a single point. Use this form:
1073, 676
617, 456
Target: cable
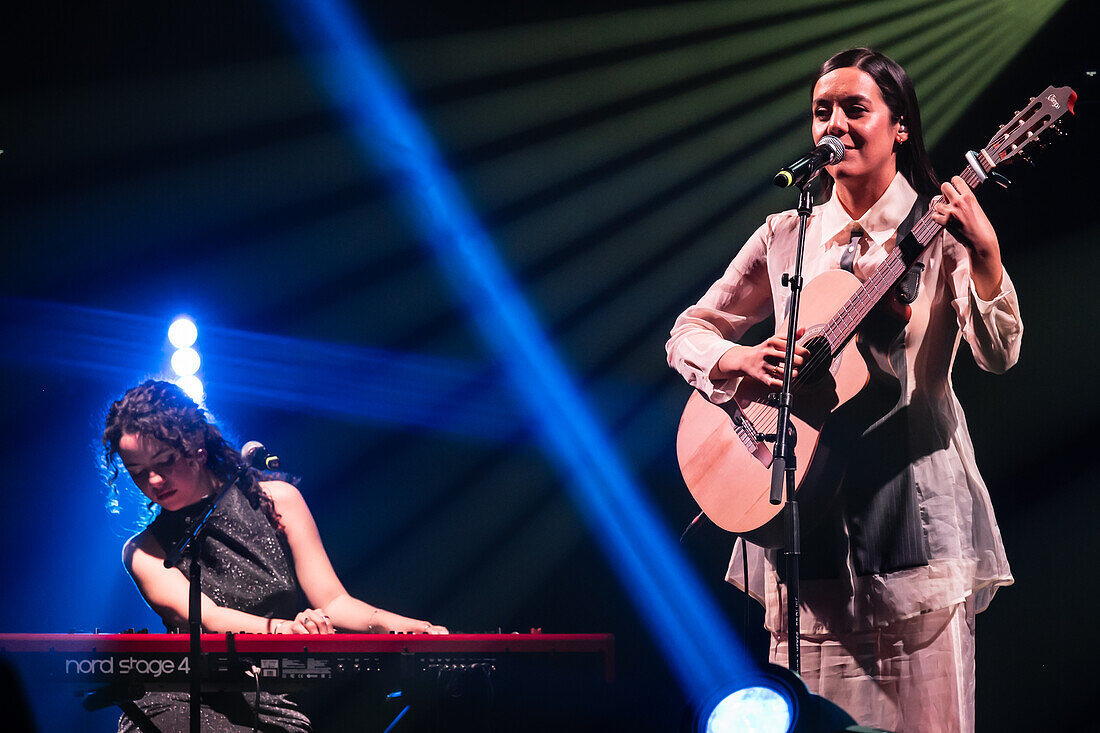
255, 672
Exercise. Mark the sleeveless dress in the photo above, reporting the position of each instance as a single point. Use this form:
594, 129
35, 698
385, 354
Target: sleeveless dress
246, 566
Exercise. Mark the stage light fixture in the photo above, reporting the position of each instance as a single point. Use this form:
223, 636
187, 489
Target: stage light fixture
192, 385
773, 700
756, 709
186, 361
183, 333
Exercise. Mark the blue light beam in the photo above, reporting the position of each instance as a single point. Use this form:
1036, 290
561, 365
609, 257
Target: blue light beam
683, 619
347, 382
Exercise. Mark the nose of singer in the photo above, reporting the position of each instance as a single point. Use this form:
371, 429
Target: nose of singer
838, 124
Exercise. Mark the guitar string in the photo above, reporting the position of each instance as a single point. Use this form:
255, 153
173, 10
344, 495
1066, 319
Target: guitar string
861, 305
926, 227
857, 303
837, 333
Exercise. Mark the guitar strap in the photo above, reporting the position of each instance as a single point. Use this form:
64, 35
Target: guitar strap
906, 289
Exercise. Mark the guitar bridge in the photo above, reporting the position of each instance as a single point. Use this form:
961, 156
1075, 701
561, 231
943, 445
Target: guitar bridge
750, 436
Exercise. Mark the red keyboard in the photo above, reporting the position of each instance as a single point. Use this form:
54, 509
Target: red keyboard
160, 660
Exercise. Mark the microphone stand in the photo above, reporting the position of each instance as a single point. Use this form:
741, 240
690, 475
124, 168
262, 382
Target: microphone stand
783, 462
189, 543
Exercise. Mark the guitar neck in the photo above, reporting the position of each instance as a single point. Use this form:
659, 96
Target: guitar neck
847, 320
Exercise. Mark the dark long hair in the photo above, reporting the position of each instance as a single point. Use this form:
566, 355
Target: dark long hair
901, 98
163, 411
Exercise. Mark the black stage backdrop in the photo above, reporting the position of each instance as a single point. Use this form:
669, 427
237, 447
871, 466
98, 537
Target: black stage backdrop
161, 160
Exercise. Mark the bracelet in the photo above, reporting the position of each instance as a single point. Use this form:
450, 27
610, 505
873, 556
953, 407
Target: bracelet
370, 620
427, 625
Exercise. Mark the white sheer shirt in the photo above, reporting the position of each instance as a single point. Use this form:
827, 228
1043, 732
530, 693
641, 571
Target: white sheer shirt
966, 555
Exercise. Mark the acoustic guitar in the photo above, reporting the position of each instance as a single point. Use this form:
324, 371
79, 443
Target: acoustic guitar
725, 451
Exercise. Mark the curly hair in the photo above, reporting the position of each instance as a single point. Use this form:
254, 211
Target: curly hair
163, 411
901, 98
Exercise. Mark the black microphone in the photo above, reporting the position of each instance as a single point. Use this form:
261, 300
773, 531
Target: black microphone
255, 455
828, 152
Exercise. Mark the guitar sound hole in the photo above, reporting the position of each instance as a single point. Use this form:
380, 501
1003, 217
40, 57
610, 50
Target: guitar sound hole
817, 366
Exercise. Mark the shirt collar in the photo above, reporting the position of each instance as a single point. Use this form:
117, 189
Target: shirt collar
879, 222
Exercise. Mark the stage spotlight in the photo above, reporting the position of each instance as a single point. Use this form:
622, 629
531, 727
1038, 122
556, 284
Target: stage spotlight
192, 385
756, 709
186, 361
183, 333
773, 700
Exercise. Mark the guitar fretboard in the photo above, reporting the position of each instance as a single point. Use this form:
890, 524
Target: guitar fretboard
841, 327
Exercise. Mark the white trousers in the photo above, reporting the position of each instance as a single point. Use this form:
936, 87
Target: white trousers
912, 676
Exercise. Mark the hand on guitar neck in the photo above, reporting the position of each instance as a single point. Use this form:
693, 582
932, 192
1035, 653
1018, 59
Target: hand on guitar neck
958, 211
763, 362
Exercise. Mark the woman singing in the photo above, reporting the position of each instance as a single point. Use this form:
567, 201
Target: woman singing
897, 562
260, 555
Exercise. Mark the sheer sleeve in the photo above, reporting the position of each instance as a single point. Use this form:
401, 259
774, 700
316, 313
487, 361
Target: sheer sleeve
993, 328
704, 332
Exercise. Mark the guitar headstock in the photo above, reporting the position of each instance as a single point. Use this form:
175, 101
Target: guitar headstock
1041, 113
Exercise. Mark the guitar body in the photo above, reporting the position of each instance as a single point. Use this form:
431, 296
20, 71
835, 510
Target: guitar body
729, 476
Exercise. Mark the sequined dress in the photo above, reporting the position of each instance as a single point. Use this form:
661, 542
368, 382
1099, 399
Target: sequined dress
246, 566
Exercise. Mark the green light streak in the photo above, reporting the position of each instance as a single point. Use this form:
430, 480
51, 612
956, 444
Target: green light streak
1016, 22
492, 115
498, 181
465, 56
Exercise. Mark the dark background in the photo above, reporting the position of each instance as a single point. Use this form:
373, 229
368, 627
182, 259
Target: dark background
161, 160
